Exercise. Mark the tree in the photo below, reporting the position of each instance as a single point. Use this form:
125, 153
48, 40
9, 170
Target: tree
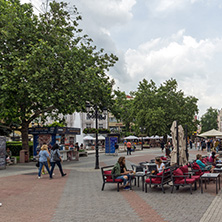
46, 66
154, 109
122, 108
209, 120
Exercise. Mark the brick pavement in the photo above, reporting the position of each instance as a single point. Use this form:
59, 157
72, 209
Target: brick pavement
79, 196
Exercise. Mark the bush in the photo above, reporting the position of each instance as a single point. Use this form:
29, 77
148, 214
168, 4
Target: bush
16, 146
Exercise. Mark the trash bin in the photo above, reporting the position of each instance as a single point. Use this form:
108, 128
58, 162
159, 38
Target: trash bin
24, 156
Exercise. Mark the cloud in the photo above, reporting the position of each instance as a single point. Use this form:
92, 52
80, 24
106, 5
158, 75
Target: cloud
189, 61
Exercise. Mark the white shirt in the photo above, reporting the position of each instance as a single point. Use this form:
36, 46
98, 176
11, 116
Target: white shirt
160, 169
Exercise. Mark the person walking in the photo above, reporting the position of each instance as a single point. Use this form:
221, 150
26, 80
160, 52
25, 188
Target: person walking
128, 146
43, 156
116, 149
56, 159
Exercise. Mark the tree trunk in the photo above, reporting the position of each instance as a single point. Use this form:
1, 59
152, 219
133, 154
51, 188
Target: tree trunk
25, 138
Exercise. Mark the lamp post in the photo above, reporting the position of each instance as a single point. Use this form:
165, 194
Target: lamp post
92, 113
142, 129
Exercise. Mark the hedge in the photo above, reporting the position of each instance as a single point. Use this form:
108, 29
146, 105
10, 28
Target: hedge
16, 146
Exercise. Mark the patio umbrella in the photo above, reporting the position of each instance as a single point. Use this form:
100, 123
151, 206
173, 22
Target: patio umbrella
173, 159
211, 133
131, 138
88, 138
182, 145
101, 137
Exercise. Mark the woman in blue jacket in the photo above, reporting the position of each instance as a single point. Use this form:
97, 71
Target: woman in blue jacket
43, 156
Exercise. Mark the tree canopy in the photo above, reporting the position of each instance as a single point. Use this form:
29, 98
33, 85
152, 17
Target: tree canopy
209, 120
153, 109
46, 66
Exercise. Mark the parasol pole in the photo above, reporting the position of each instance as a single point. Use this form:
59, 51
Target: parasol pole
177, 137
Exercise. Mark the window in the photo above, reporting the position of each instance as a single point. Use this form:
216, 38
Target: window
100, 125
112, 119
88, 125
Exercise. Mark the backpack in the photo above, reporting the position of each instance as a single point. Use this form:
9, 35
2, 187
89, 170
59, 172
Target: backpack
55, 156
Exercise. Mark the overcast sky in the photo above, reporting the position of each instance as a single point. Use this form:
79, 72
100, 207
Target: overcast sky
159, 40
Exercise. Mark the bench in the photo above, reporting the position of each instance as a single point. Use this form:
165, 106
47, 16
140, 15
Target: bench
108, 177
160, 179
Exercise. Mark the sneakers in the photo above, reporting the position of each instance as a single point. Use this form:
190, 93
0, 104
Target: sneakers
39, 177
0, 204
127, 188
64, 175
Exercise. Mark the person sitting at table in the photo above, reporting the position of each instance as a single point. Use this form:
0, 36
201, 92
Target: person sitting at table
202, 165
213, 158
160, 165
120, 172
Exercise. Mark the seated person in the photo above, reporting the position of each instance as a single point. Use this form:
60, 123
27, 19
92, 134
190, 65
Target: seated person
160, 165
202, 165
8, 155
120, 172
213, 158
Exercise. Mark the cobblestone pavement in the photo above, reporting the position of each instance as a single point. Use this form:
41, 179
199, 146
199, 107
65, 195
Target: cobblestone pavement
78, 196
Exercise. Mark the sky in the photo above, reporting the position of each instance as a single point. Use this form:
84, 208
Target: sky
159, 40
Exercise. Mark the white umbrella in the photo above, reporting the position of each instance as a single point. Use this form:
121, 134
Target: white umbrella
131, 138
88, 138
182, 145
101, 137
212, 133
173, 159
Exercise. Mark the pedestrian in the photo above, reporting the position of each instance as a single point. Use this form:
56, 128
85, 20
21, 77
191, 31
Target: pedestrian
191, 144
56, 159
198, 145
128, 146
43, 157
162, 145
77, 146
116, 149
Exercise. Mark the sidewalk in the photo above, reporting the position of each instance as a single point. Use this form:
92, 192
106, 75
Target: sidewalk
78, 196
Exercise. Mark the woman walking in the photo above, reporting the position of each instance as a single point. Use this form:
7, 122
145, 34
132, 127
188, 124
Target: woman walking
43, 156
56, 159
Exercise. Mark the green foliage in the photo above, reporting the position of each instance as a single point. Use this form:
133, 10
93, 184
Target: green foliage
46, 66
56, 124
153, 109
209, 120
93, 130
15, 147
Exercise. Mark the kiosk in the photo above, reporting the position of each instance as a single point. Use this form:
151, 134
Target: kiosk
64, 136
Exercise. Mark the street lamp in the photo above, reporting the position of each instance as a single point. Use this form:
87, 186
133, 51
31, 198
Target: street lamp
142, 129
92, 113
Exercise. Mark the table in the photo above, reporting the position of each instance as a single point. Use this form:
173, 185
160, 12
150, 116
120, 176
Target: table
214, 176
138, 175
218, 165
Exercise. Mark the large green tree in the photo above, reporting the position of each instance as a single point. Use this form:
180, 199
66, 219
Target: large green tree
155, 108
46, 66
209, 120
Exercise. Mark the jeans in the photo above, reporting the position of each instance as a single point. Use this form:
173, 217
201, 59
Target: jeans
41, 165
129, 151
124, 180
58, 163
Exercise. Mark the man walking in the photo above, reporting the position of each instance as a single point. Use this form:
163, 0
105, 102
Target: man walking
128, 146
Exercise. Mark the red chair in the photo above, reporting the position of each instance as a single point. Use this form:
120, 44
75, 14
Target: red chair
197, 170
159, 180
108, 178
179, 179
186, 171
